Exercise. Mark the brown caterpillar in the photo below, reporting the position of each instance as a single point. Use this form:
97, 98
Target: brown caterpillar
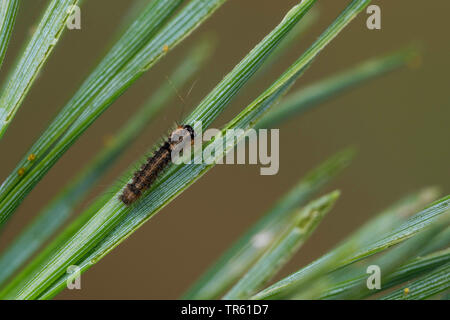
149, 171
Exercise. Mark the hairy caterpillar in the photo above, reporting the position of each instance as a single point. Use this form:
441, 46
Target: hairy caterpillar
149, 171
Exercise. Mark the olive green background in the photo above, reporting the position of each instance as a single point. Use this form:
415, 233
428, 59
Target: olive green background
400, 124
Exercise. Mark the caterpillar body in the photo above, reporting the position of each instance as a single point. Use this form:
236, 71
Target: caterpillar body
155, 165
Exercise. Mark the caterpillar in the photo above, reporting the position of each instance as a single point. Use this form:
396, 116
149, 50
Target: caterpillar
152, 168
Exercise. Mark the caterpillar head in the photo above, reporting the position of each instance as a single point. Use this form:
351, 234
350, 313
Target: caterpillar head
181, 133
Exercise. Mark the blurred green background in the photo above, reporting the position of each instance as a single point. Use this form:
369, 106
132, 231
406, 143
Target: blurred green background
399, 122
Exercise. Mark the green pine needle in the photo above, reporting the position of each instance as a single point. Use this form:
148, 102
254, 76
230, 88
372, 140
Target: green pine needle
295, 233
41, 45
8, 11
